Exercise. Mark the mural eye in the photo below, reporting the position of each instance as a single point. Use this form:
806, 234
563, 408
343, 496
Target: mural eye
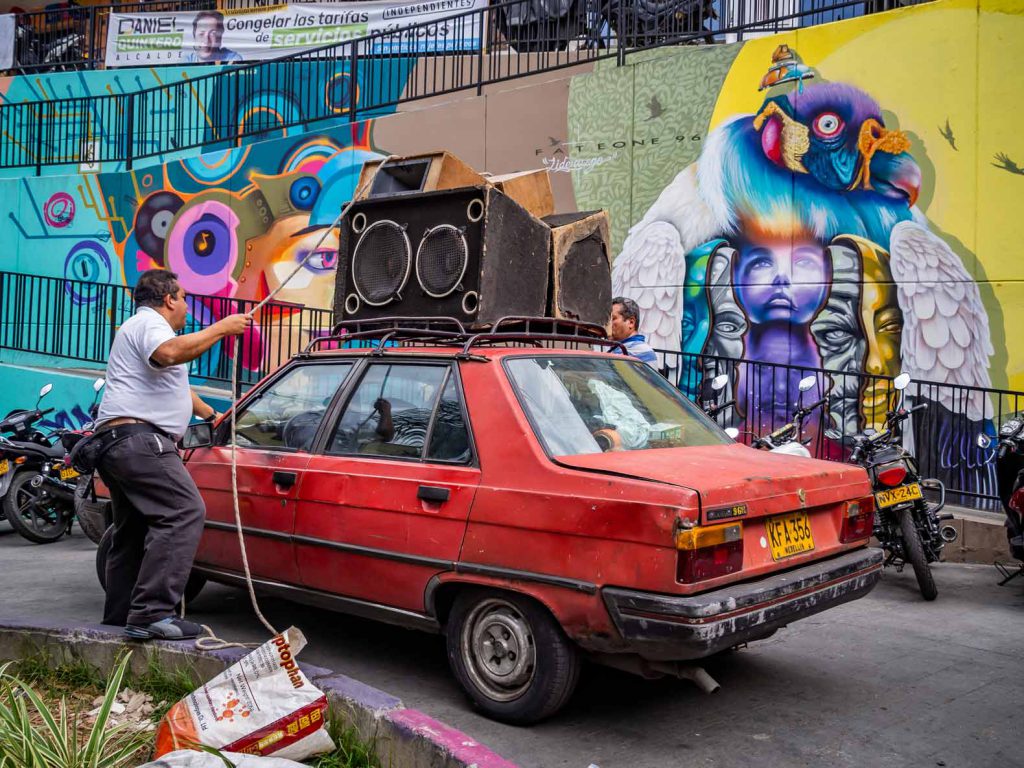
828, 124
323, 260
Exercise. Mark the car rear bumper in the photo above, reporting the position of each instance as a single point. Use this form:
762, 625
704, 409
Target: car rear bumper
675, 628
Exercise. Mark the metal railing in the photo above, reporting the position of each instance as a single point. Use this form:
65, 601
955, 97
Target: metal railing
76, 320
943, 437
378, 71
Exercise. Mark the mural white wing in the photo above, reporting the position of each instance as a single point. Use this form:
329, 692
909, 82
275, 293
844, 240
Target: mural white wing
650, 271
946, 335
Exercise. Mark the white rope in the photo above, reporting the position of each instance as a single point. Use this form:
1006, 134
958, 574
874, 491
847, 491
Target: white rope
211, 641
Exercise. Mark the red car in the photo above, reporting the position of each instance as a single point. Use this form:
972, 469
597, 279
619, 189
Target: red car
535, 504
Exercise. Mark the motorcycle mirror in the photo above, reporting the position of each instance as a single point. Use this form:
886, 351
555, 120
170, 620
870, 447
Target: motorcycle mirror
45, 390
719, 381
983, 440
901, 382
98, 384
807, 382
732, 432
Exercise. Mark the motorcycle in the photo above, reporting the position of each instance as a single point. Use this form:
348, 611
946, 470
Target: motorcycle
788, 439
710, 391
40, 498
907, 525
1009, 460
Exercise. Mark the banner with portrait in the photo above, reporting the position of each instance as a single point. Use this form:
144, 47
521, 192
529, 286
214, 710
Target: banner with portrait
225, 37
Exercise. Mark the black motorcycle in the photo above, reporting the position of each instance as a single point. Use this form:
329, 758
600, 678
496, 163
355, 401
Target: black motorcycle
907, 525
1009, 460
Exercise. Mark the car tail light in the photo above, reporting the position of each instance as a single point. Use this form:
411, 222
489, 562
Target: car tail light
1017, 500
705, 553
891, 474
858, 520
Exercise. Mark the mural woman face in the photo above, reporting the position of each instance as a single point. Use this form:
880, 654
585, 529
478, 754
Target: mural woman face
781, 280
883, 330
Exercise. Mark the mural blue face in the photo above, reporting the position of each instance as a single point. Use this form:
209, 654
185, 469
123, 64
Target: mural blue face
781, 280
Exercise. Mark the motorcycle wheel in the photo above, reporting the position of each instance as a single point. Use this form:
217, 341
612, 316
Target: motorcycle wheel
93, 516
38, 519
913, 551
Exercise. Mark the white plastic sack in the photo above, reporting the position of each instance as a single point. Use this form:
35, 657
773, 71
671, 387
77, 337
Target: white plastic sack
187, 758
261, 705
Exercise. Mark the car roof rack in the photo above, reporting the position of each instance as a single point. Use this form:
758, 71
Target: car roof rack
448, 331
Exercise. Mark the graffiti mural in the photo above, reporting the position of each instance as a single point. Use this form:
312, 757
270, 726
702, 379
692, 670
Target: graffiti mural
810, 224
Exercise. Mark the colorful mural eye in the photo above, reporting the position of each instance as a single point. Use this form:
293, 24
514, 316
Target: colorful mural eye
304, 192
828, 125
153, 222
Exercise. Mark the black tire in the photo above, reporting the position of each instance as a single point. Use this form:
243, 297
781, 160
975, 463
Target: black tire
913, 551
193, 586
38, 519
534, 672
93, 516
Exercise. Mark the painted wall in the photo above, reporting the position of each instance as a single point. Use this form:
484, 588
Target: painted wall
841, 197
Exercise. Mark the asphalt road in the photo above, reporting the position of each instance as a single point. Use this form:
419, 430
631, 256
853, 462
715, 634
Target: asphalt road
888, 680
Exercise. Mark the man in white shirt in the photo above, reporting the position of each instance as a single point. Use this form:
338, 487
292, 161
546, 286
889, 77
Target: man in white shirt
158, 512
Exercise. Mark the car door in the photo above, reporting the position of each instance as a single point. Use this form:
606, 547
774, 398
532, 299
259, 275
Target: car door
275, 430
384, 506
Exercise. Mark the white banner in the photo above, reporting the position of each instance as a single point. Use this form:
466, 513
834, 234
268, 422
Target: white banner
6, 41
215, 37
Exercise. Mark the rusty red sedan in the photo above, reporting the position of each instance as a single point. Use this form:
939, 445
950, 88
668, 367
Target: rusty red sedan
537, 505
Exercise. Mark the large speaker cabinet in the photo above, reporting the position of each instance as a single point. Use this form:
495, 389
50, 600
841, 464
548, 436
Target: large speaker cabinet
469, 253
429, 172
581, 282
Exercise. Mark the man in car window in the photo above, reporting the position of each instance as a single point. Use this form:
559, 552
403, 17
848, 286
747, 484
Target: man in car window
625, 325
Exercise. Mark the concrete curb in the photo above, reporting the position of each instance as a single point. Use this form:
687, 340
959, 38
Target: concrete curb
401, 737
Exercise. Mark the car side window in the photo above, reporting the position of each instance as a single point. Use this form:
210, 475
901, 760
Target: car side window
288, 413
449, 436
390, 411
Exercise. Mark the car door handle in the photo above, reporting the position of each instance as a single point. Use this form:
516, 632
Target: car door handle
433, 493
285, 479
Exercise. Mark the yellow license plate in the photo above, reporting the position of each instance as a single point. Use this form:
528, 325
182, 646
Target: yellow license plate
67, 474
789, 535
898, 495
5, 466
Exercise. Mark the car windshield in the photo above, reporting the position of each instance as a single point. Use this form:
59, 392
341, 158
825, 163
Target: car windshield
583, 405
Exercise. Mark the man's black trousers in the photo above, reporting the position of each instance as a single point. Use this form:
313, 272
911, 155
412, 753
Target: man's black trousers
158, 519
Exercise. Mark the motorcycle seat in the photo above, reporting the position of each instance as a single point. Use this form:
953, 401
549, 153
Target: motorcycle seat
36, 449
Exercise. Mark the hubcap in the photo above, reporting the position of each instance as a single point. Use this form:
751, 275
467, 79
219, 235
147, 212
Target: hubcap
498, 649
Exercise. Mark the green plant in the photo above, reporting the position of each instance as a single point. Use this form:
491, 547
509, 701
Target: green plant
350, 751
31, 736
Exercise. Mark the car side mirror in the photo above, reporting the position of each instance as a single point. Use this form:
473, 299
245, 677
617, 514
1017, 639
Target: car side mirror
197, 436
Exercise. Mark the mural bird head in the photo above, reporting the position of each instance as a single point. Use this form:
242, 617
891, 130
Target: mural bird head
835, 133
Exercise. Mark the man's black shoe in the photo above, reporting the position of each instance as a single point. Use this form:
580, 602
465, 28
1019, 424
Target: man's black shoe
171, 628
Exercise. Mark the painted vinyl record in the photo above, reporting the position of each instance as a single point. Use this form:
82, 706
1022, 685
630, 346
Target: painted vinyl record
153, 221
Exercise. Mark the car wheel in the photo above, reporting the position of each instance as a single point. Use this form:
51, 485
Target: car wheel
510, 656
193, 586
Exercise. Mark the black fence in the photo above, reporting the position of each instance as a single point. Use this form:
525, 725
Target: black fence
514, 43
76, 320
943, 436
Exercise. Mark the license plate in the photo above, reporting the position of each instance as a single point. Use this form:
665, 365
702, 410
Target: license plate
898, 495
789, 535
67, 474
5, 466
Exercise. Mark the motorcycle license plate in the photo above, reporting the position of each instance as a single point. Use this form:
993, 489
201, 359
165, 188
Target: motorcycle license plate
789, 535
68, 474
5, 466
899, 495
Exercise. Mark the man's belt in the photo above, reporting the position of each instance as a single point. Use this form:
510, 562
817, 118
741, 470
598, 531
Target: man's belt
89, 452
110, 434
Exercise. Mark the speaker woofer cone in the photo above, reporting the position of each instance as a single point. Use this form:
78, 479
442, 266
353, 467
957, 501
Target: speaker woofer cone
381, 263
441, 260
475, 210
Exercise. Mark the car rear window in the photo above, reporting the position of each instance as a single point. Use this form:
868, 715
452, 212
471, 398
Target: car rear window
581, 405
